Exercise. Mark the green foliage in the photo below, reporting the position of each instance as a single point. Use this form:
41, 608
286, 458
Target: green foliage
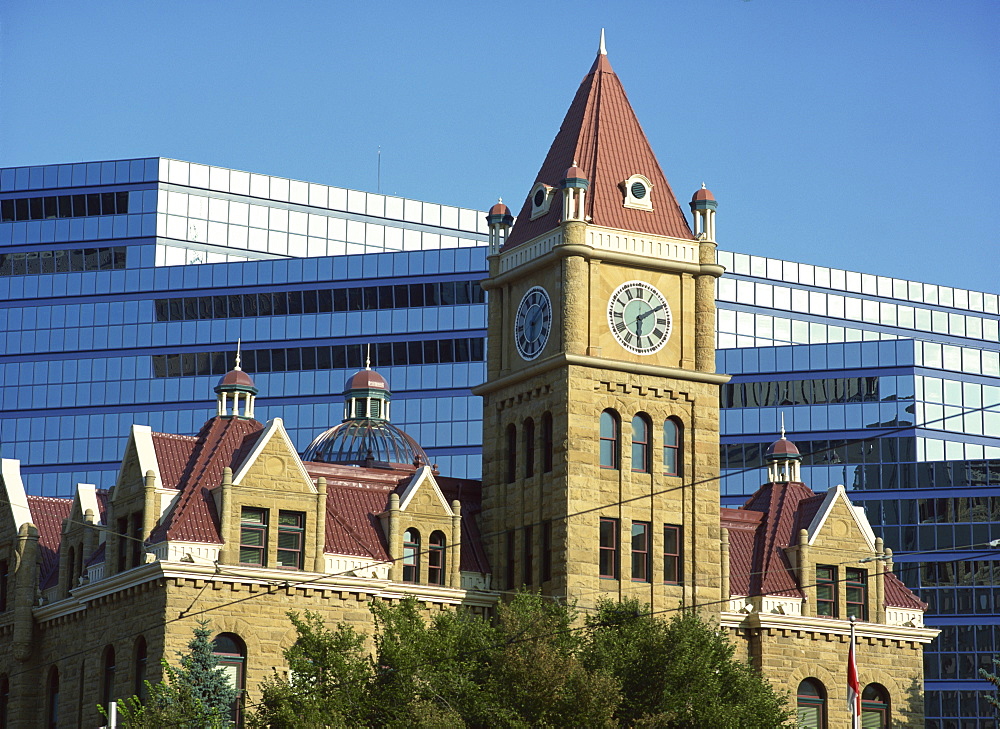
994, 679
678, 672
535, 665
198, 695
328, 679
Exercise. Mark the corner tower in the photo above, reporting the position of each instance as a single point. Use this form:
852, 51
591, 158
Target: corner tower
601, 421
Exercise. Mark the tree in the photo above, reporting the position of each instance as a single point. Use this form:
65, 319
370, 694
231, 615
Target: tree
198, 695
328, 681
679, 672
995, 680
456, 669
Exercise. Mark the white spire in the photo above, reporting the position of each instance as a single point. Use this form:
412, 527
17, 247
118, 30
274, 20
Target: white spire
782, 425
368, 357
603, 50
238, 344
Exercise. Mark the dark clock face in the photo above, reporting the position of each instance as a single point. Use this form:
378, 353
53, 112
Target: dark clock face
639, 317
533, 323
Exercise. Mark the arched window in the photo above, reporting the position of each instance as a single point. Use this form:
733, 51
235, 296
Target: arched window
108, 677
875, 707
811, 704
511, 453
52, 699
411, 556
547, 442
640, 444
435, 559
610, 439
141, 664
672, 447
529, 448
231, 653
4, 701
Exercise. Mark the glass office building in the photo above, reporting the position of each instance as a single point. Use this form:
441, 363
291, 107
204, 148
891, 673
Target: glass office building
891, 388
125, 285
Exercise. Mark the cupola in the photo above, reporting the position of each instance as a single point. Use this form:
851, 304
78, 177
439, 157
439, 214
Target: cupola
703, 207
575, 185
499, 221
783, 460
366, 437
236, 393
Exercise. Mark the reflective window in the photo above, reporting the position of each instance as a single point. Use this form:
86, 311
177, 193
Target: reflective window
108, 677
608, 548
528, 562
231, 654
529, 448
610, 448
672, 447
511, 455
436, 559
253, 536
672, 554
411, 556
291, 539
810, 703
856, 589
826, 591
875, 707
64, 206
547, 442
642, 553
641, 451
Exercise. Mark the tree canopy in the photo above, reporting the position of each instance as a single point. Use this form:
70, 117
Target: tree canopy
535, 664
197, 695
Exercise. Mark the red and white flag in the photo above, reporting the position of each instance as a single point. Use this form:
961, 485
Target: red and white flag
853, 687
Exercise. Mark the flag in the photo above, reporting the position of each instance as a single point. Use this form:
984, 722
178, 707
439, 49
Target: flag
853, 687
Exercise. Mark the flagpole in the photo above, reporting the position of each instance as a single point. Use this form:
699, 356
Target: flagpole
853, 685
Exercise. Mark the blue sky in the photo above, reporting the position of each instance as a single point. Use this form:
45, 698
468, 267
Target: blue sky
861, 135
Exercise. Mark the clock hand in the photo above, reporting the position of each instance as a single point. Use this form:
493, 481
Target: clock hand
644, 314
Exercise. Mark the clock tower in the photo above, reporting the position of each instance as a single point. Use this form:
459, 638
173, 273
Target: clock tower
601, 405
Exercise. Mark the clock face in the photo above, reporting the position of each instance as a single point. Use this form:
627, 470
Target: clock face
639, 317
533, 323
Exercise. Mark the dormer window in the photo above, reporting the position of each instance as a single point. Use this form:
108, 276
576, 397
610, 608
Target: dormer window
541, 199
637, 191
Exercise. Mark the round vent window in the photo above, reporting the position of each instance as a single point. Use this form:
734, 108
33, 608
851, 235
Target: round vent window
539, 198
638, 190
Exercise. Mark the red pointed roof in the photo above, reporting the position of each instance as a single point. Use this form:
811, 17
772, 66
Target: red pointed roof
602, 136
764, 526
47, 514
222, 442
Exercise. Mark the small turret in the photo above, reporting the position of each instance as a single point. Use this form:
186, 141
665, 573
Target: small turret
703, 206
574, 185
500, 221
236, 392
783, 460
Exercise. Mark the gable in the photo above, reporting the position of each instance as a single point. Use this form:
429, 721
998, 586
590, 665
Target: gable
16, 501
274, 460
422, 494
139, 457
838, 524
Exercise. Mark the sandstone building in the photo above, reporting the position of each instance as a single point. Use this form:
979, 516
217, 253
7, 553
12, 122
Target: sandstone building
601, 462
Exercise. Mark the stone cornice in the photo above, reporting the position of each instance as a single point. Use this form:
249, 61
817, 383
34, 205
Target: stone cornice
563, 359
82, 596
828, 626
550, 248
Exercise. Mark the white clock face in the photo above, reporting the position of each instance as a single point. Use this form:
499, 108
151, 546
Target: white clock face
533, 323
639, 317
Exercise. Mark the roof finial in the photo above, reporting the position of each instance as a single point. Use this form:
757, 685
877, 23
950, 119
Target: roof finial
368, 356
783, 426
239, 343
703, 186
499, 199
603, 49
